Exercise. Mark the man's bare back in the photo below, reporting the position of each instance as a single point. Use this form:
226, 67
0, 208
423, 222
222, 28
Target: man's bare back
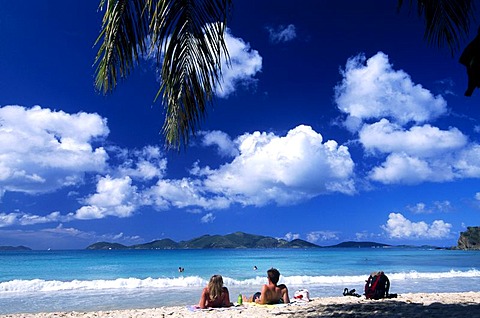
273, 294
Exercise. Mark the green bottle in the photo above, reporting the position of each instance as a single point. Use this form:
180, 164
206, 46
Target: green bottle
240, 299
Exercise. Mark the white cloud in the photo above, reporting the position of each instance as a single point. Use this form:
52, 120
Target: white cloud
267, 169
390, 114
420, 141
419, 208
21, 218
291, 236
43, 150
477, 196
372, 89
442, 206
114, 197
208, 218
361, 236
282, 33
437, 206
244, 64
316, 236
223, 142
284, 170
405, 169
8, 219
398, 227
184, 193
144, 164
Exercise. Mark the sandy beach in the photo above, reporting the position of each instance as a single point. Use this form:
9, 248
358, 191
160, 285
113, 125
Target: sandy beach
406, 305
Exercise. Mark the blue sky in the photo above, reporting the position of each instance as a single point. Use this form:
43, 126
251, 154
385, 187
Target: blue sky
335, 122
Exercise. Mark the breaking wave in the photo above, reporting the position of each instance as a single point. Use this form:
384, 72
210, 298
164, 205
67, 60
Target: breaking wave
39, 285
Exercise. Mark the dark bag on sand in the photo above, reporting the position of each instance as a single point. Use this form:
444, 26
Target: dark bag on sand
377, 286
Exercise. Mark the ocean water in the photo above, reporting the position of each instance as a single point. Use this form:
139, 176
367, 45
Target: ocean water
84, 280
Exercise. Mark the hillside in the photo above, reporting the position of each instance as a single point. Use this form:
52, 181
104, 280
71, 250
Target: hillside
106, 246
14, 248
470, 239
360, 244
234, 240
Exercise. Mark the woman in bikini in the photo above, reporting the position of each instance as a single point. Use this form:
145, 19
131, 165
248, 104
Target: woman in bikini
215, 294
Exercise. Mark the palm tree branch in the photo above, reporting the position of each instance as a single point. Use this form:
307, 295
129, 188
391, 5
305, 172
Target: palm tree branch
189, 37
123, 39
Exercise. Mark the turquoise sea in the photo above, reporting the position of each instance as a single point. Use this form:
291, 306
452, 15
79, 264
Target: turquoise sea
84, 280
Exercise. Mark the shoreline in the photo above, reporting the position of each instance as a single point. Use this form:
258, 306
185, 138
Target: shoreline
406, 305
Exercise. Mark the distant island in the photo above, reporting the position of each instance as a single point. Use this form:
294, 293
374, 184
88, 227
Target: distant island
233, 240
14, 248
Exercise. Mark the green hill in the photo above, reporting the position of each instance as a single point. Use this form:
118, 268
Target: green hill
15, 248
234, 240
360, 244
106, 246
164, 244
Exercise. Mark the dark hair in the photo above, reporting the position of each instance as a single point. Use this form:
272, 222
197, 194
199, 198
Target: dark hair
273, 275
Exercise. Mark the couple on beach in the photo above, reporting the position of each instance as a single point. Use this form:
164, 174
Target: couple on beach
216, 295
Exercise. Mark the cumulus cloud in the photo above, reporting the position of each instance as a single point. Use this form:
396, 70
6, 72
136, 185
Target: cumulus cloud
282, 33
114, 197
419, 208
224, 144
267, 169
371, 89
361, 236
145, 164
184, 193
405, 169
43, 150
208, 218
437, 206
245, 63
399, 227
284, 170
421, 141
291, 236
390, 113
316, 236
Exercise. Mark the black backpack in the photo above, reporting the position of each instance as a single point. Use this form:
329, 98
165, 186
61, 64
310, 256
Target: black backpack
377, 286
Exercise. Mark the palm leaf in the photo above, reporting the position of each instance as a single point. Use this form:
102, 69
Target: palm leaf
189, 37
447, 22
124, 34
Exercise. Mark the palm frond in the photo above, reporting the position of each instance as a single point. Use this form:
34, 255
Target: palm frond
124, 34
447, 22
189, 37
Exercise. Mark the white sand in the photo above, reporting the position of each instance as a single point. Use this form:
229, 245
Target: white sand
406, 305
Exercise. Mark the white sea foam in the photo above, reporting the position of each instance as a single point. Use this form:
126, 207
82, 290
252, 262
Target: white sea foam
38, 285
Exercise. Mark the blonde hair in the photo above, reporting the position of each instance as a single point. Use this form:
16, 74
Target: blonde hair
215, 286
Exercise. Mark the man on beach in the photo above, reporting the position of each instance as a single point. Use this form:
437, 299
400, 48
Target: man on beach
271, 293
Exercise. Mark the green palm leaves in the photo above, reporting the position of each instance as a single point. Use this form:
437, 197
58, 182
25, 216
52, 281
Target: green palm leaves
187, 38
447, 22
